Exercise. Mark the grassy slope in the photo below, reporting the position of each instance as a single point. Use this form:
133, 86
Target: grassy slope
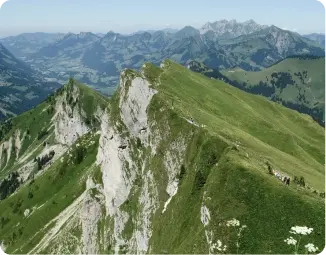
57, 188
32, 122
30, 125
275, 132
313, 86
53, 191
238, 186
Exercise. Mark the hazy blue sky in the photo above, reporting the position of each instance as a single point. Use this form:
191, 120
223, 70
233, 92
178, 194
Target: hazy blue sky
17, 16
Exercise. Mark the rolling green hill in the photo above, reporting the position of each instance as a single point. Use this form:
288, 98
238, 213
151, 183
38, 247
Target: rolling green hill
169, 164
295, 81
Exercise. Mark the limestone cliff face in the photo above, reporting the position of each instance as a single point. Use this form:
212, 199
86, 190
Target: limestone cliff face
115, 214
121, 163
65, 127
127, 174
68, 120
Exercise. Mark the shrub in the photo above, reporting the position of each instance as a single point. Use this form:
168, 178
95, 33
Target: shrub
16, 206
182, 172
9, 185
80, 153
88, 121
41, 134
45, 159
30, 195
199, 180
138, 143
3, 221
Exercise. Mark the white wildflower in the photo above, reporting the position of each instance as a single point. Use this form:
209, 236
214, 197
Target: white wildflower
220, 246
233, 223
290, 241
27, 212
297, 230
311, 247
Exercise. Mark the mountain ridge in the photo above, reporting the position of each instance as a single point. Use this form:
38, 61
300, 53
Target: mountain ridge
155, 164
27, 43
318, 37
98, 61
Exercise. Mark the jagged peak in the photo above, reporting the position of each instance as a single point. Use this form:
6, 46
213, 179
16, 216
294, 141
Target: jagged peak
231, 28
81, 35
187, 31
110, 34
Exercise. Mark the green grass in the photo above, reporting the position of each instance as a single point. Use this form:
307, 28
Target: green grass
90, 100
239, 186
29, 124
312, 86
293, 141
60, 185
233, 182
55, 190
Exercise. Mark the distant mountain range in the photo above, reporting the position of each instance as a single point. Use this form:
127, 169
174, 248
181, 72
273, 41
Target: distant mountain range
97, 59
29, 43
319, 38
21, 87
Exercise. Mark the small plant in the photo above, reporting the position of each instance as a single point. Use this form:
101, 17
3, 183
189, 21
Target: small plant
44, 160
80, 153
200, 180
236, 224
3, 221
300, 232
9, 185
138, 143
41, 134
30, 195
182, 172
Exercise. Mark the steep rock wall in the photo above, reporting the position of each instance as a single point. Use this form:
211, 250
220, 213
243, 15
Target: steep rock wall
68, 119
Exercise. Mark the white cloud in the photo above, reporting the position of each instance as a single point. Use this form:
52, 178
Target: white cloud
2, 2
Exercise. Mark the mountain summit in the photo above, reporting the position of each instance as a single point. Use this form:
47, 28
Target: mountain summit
229, 29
